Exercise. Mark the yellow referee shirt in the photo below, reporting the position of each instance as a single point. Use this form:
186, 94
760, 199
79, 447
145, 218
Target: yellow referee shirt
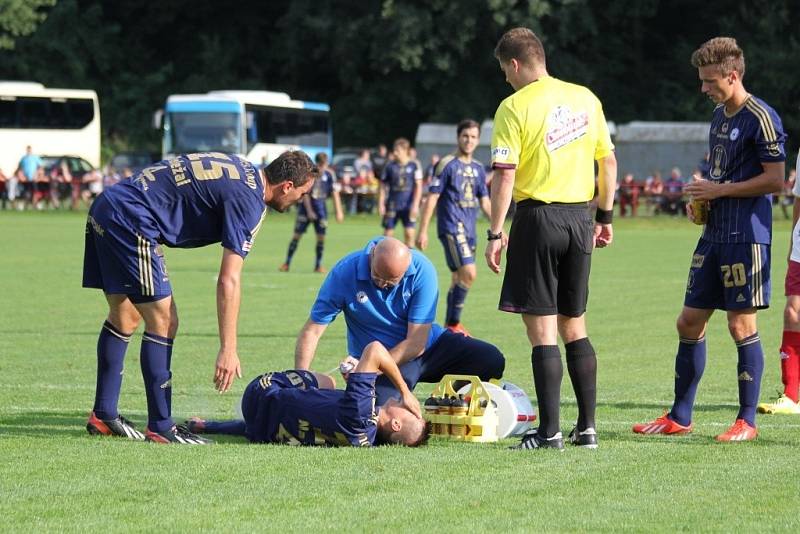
551, 131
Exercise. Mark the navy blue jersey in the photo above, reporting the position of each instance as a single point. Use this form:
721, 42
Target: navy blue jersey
322, 189
401, 180
194, 200
286, 408
460, 187
737, 146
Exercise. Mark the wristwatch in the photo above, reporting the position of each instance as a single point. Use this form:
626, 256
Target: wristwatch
493, 237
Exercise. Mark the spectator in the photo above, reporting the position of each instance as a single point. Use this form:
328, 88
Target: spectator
362, 162
430, 170
704, 167
673, 193
654, 193
27, 172
628, 195
379, 160
3, 189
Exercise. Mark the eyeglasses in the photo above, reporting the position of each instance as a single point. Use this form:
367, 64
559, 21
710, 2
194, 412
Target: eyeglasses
382, 283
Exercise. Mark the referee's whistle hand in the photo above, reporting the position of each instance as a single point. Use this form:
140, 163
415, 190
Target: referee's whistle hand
603, 235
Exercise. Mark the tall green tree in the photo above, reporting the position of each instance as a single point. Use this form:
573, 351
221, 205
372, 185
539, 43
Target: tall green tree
19, 18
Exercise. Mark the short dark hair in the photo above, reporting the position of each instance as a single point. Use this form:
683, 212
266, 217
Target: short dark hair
321, 158
721, 51
520, 44
466, 124
423, 437
292, 166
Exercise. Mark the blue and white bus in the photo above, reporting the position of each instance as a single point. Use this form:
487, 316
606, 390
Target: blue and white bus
257, 124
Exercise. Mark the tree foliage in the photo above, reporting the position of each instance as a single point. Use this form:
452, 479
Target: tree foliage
387, 65
18, 18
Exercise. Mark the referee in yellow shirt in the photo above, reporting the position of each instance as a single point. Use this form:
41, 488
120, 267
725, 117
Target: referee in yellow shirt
547, 137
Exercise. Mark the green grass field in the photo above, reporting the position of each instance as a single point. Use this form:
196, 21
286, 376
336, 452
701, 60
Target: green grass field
55, 477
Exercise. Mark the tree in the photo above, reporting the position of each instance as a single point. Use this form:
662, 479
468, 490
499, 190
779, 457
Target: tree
19, 18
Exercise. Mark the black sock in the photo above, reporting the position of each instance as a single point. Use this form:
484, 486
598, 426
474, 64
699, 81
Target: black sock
290, 252
582, 368
547, 373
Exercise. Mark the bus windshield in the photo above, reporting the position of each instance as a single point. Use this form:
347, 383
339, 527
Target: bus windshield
187, 132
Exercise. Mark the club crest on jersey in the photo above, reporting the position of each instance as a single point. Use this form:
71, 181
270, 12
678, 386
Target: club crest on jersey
565, 126
719, 160
734, 134
774, 149
361, 297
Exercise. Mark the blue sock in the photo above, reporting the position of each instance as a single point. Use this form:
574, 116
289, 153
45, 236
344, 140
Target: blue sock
290, 252
320, 248
455, 304
689, 365
157, 381
169, 368
111, 347
749, 369
233, 427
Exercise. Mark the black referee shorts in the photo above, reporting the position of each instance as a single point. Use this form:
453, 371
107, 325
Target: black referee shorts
548, 260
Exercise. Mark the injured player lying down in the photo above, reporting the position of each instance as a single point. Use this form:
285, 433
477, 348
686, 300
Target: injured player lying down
300, 407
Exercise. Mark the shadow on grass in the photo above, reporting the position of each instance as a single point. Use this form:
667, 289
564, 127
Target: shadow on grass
632, 405
69, 424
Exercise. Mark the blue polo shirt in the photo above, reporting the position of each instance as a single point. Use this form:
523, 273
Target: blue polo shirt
374, 314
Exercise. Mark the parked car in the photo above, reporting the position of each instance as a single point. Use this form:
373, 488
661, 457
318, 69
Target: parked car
72, 178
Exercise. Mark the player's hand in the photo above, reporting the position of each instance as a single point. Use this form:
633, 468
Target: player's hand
347, 366
603, 235
412, 214
339, 217
690, 211
410, 401
701, 189
381, 210
227, 370
494, 252
422, 240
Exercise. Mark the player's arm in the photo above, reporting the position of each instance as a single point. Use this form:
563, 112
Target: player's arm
427, 213
606, 185
413, 345
769, 181
306, 346
376, 358
312, 215
417, 196
227, 367
382, 199
486, 206
502, 186
337, 205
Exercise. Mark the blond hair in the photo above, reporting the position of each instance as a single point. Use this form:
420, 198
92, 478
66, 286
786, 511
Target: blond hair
723, 52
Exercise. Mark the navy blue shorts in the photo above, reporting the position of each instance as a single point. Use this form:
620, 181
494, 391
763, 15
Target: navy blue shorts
459, 248
300, 226
119, 260
451, 354
264, 385
392, 216
729, 276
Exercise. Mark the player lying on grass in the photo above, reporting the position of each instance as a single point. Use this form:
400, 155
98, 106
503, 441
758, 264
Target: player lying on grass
299, 407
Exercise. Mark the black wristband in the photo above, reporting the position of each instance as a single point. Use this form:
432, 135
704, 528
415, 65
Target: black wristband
493, 237
603, 216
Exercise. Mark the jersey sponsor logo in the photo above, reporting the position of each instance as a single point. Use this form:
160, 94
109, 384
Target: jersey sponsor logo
697, 261
362, 297
734, 134
247, 245
565, 126
719, 160
740, 298
97, 228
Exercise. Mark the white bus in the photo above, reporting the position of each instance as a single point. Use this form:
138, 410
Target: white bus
54, 122
257, 124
